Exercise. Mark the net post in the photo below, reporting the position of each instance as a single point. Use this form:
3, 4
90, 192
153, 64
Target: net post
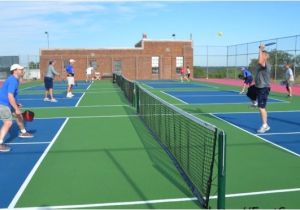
221, 169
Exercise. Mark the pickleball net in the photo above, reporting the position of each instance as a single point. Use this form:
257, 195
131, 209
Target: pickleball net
197, 148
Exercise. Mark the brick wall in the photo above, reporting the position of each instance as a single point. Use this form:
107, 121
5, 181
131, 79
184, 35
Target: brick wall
135, 62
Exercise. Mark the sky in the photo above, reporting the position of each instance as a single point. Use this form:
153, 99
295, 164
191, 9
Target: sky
120, 24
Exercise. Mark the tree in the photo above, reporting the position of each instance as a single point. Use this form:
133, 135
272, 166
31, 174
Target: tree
33, 65
277, 59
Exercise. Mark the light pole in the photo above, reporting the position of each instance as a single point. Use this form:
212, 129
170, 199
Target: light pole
46, 32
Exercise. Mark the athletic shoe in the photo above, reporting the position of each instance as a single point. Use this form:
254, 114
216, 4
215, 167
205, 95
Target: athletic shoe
46, 99
4, 148
253, 105
53, 100
25, 135
263, 129
69, 95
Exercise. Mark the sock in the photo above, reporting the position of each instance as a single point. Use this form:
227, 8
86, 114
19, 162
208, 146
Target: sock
23, 130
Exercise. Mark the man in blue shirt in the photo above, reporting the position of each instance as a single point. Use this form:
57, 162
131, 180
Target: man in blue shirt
70, 78
10, 107
247, 76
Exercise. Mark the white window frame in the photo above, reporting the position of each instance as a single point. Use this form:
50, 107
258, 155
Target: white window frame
179, 63
155, 64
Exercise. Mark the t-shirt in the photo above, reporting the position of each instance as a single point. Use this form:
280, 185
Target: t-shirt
262, 78
9, 86
89, 70
51, 72
289, 76
70, 69
182, 71
247, 73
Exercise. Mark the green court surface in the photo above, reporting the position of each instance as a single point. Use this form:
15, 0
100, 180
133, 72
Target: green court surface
104, 157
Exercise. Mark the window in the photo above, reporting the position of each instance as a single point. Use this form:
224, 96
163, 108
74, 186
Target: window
117, 67
155, 65
179, 64
93, 63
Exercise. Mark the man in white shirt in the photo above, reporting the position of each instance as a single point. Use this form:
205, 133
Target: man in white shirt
289, 79
89, 71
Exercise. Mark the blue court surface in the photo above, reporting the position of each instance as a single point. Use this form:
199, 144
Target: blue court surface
37, 100
284, 132
212, 97
157, 81
16, 165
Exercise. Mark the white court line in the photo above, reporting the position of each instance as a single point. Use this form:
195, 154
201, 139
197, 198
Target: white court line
148, 86
89, 86
30, 87
76, 105
178, 99
92, 116
230, 103
73, 107
34, 169
199, 95
30, 143
101, 92
284, 133
41, 99
170, 200
250, 112
265, 140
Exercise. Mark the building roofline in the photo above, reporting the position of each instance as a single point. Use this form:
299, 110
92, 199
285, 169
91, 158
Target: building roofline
90, 49
166, 40
137, 47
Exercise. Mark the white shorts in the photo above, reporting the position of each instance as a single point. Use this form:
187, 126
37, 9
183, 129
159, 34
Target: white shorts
70, 80
5, 113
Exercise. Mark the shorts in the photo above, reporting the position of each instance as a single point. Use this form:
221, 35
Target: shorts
71, 80
5, 113
48, 81
289, 83
262, 96
248, 80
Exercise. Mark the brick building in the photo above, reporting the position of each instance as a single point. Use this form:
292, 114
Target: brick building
149, 59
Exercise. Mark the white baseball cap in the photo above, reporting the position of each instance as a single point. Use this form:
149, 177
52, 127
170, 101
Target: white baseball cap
16, 66
72, 60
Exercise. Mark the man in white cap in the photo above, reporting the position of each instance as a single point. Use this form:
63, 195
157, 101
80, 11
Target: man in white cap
70, 78
10, 107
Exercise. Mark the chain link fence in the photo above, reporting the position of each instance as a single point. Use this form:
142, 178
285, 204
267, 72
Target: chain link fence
225, 61
209, 61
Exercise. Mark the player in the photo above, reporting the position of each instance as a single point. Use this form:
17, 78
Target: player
70, 78
188, 73
183, 74
289, 80
262, 84
10, 107
89, 71
247, 77
48, 81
